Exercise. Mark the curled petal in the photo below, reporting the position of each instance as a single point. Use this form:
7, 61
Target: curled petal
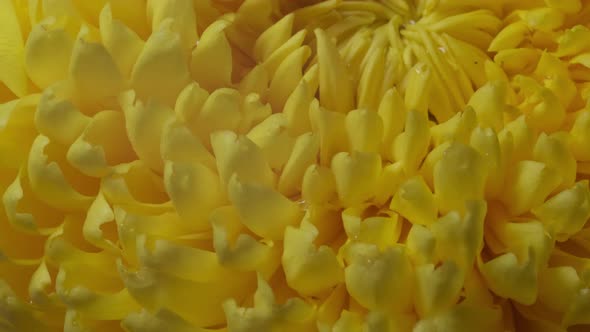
356, 176
254, 111
241, 156
272, 136
558, 287
309, 270
303, 155
189, 103
509, 37
57, 117
199, 303
144, 123
266, 315
336, 92
573, 41
566, 213
365, 130
273, 38
211, 60
382, 231
411, 146
287, 77
437, 288
25, 211
489, 103
194, 190
331, 127
509, 278
123, 44
94, 73
50, 179
553, 151
381, 281
12, 68
263, 210
161, 63
319, 185
485, 141
179, 144
101, 145
99, 215
459, 176
47, 52
221, 111
181, 12
459, 238
237, 249
417, 83
392, 112
529, 185
415, 202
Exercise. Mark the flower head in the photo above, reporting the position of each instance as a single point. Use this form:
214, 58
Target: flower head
273, 165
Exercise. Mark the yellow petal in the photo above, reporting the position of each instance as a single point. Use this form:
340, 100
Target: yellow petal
211, 60
221, 111
296, 109
47, 52
12, 69
331, 127
356, 176
381, 281
57, 117
194, 190
365, 130
101, 145
272, 136
319, 185
565, 213
239, 155
437, 288
49, 182
94, 73
458, 177
123, 44
144, 123
263, 210
309, 270
335, 87
304, 154
415, 202
179, 144
411, 146
489, 103
417, 88
236, 249
529, 185
509, 37
161, 64
183, 14
287, 77
273, 38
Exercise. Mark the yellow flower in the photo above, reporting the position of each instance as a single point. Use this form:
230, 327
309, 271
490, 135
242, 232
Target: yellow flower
308, 165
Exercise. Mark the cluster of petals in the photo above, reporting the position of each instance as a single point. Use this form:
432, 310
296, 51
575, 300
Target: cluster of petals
294, 165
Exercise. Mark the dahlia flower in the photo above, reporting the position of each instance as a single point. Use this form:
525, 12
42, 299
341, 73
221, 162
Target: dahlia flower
307, 165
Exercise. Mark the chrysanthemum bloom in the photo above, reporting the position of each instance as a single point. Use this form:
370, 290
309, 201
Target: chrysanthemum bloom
275, 165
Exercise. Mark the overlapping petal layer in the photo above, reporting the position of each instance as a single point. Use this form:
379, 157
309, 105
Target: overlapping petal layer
274, 165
